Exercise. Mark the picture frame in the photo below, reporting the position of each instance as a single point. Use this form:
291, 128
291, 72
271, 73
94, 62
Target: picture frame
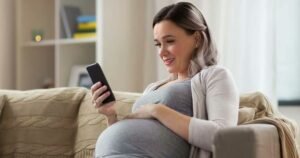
79, 77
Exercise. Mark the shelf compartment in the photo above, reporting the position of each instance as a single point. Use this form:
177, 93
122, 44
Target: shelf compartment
35, 68
41, 43
61, 42
77, 41
36, 15
72, 55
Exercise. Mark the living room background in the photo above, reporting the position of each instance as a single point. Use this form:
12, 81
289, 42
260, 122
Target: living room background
257, 40
232, 24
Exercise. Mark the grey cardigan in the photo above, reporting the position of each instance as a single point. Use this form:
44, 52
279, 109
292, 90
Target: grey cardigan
215, 106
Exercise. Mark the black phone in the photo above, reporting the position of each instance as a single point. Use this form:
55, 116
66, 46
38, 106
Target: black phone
97, 75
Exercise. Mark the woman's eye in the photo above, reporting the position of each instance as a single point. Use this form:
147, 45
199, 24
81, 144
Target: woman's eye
170, 41
157, 44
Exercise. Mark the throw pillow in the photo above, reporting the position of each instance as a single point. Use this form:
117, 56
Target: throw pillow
246, 114
40, 123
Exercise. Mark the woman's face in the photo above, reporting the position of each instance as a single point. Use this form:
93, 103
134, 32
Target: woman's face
175, 46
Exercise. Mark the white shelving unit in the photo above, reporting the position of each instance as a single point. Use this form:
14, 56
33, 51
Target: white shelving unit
119, 45
52, 59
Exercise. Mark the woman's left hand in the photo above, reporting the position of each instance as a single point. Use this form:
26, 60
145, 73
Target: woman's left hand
144, 112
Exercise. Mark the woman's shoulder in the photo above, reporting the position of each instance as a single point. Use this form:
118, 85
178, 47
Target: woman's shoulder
214, 71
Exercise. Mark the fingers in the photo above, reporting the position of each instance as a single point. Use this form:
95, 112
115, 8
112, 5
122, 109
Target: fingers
100, 99
98, 92
95, 87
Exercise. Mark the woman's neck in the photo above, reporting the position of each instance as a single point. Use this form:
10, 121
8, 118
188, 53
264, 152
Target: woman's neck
182, 76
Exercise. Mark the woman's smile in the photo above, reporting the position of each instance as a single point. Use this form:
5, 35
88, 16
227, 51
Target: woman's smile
168, 61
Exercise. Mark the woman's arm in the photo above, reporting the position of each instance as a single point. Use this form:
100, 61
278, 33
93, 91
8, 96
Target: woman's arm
175, 121
221, 102
111, 120
99, 94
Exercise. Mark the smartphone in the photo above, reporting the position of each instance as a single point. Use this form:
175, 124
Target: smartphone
97, 75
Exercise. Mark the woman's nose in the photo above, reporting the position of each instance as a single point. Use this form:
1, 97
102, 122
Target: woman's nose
163, 51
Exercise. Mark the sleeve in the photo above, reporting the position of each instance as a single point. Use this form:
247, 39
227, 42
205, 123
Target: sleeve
222, 100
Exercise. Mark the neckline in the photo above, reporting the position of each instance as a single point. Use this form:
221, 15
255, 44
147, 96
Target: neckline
166, 84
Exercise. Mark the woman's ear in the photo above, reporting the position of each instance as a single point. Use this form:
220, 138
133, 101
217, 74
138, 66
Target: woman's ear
197, 38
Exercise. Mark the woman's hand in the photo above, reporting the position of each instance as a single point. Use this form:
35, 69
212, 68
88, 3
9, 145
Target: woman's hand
144, 112
166, 116
100, 93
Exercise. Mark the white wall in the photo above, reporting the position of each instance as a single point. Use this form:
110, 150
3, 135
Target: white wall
127, 56
150, 55
7, 44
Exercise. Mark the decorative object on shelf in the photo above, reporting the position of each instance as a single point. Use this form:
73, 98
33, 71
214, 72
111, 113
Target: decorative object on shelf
79, 77
48, 83
37, 35
69, 15
86, 27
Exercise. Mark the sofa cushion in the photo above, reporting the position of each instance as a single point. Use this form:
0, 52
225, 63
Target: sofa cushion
2, 103
40, 122
91, 123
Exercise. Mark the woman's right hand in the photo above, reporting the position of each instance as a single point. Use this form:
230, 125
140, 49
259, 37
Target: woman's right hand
100, 93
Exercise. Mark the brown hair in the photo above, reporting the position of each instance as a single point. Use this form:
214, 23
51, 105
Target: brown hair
188, 17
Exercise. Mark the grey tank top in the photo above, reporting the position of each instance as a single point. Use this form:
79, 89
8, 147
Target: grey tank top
177, 96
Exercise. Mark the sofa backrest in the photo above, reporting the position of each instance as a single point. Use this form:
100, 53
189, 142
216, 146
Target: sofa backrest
58, 122
40, 122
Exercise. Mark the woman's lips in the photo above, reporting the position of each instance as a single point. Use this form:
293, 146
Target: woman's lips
168, 61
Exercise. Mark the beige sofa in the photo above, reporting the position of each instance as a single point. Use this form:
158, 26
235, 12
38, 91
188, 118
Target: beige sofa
62, 123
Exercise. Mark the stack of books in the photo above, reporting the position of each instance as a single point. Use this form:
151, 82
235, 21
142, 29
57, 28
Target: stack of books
86, 27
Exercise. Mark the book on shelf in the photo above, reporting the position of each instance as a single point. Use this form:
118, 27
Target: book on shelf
86, 31
87, 26
84, 35
69, 16
86, 18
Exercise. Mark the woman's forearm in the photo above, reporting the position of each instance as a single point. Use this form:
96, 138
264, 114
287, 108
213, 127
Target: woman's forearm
175, 121
111, 120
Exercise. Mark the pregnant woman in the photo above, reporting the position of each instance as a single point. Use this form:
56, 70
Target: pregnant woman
177, 117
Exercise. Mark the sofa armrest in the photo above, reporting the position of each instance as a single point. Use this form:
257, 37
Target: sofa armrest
247, 141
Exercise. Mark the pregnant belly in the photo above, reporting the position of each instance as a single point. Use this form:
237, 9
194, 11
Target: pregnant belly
141, 138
